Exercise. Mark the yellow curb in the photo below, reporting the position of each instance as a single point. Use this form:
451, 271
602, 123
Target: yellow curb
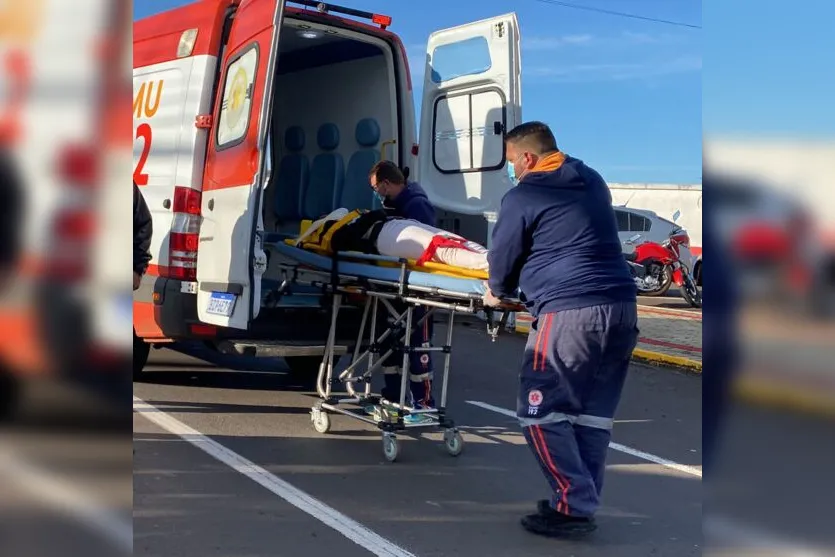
780, 395
650, 356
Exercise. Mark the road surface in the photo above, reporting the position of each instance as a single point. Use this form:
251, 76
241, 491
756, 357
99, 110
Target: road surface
227, 463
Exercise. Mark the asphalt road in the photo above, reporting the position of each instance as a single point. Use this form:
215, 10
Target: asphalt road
227, 463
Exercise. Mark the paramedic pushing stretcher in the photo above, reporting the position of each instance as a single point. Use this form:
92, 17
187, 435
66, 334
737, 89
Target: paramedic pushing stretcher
556, 240
407, 200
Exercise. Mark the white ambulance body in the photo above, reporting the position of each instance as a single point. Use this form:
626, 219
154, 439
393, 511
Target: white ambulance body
250, 116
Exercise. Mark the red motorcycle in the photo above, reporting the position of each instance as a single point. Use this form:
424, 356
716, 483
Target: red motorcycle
655, 267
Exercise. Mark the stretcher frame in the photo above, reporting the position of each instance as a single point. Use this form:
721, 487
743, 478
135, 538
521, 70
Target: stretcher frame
389, 418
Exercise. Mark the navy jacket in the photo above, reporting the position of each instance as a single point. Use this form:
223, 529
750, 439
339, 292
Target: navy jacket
556, 239
412, 203
143, 227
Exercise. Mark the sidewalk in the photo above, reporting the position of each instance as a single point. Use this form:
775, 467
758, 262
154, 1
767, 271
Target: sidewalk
668, 337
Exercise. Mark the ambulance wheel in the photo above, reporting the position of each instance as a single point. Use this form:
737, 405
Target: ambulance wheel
321, 421
141, 350
453, 442
390, 448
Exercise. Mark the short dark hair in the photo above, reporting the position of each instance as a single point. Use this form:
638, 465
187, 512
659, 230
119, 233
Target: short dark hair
387, 171
535, 136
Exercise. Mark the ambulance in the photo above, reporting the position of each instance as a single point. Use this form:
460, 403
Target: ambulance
251, 116
64, 87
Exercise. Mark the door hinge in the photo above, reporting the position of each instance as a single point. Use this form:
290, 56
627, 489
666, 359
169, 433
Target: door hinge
203, 121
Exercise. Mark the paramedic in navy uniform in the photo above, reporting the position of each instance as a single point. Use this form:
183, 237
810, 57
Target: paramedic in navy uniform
556, 240
405, 199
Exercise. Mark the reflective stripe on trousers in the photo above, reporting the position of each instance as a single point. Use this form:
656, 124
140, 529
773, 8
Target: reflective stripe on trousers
583, 419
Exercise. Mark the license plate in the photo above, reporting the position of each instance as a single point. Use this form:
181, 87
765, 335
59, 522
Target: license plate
221, 303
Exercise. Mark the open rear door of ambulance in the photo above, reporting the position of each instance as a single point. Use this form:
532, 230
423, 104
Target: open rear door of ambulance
230, 260
471, 98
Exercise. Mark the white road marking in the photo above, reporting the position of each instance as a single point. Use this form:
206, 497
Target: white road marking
614, 446
329, 516
64, 497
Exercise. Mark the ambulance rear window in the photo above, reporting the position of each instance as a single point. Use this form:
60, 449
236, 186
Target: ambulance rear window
236, 107
467, 57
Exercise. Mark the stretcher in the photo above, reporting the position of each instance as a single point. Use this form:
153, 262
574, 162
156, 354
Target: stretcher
384, 286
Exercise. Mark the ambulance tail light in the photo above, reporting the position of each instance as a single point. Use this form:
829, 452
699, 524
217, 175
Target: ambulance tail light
185, 231
73, 231
382, 20
78, 166
74, 225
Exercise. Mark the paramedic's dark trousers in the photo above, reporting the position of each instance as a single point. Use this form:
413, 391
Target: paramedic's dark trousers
573, 372
420, 364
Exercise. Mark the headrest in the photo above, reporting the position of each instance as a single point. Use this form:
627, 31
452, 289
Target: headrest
294, 138
368, 132
328, 137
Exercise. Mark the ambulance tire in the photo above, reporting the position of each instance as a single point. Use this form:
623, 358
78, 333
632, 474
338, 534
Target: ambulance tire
304, 369
141, 350
10, 392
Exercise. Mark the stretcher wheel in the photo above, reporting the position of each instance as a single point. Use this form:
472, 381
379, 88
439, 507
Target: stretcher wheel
453, 442
390, 448
321, 420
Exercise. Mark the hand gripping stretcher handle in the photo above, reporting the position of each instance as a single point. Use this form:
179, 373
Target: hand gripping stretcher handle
493, 326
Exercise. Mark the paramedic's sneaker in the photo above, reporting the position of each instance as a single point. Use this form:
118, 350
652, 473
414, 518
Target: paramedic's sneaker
548, 522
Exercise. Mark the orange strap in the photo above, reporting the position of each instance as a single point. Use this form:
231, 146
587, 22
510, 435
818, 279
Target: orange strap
440, 241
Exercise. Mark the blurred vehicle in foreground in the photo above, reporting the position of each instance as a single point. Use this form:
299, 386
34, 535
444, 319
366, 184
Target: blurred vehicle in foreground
61, 123
777, 252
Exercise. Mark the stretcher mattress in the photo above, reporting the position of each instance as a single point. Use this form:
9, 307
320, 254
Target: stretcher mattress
377, 267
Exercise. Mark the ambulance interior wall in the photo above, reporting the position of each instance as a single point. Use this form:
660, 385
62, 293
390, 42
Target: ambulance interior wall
337, 97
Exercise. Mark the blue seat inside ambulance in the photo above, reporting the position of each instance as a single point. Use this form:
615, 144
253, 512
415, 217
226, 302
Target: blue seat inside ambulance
292, 178
356, 193
327, 175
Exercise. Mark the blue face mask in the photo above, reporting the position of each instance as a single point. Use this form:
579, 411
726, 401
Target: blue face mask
511, 173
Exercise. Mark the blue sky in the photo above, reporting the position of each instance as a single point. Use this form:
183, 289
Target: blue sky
622, 94
769, 68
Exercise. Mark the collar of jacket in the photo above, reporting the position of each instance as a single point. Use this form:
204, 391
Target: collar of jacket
549, 163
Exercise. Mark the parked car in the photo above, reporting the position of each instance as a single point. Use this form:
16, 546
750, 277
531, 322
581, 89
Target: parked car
653, 228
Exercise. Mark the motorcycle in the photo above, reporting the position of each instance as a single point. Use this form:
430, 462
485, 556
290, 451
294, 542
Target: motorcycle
655, 267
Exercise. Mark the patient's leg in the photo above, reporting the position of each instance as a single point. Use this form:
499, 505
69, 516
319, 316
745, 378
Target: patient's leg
421, 372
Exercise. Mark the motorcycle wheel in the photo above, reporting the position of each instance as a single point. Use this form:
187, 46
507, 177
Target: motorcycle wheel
666, 283
690, 292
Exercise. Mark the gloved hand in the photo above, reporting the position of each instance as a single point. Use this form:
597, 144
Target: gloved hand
488, 299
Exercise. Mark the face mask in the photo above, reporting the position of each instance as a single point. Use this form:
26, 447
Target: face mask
511, 173
380, 198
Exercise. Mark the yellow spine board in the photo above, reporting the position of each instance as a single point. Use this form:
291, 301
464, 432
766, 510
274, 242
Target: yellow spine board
321, 244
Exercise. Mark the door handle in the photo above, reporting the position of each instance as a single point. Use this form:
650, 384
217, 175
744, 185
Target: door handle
167, 203
498, 128
211, 205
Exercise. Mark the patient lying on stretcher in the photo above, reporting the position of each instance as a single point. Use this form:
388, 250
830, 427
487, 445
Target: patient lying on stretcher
378, 233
